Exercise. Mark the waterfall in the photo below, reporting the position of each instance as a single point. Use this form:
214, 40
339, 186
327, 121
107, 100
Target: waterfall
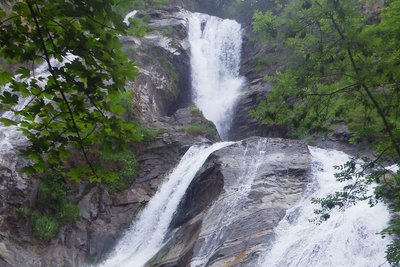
146, 236
215, 61
348, 238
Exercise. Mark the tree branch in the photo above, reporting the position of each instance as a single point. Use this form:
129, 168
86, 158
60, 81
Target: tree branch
50, 67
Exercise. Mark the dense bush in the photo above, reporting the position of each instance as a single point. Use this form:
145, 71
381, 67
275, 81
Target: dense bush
44, 227
52, 208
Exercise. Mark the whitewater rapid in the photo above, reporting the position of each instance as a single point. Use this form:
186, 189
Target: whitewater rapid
348, 238
216, 46
221, 217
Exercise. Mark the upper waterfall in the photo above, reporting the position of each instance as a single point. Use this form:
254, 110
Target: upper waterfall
216, 46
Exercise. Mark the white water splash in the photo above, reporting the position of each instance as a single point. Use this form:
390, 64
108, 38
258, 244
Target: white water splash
215, 61
348, 238
131, 14
147, 234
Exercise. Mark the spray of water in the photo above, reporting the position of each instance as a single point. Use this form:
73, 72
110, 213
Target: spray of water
348, 238
215, 60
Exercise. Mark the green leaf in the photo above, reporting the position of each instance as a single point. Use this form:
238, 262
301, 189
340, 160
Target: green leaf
5, 77
28, 170
24, 72
7, 122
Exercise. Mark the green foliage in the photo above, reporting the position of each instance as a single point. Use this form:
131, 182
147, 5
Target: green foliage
130, 51
170, 68
311, 142
198, 129
137, 27
52, 207
121, 167
77, 105
195, 110
21, 212
124, 7
167, 31
239, 9
44, 227
265, 24
52, 192
68, 213
260, 62
341, 69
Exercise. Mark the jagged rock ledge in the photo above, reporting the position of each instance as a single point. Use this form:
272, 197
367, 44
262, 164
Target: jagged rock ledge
240, 216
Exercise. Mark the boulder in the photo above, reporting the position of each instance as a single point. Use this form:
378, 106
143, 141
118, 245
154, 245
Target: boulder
230, 210
163, 83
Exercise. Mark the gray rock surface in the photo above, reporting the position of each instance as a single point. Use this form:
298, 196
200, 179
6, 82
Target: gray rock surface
244, 125
163, 84
232, 206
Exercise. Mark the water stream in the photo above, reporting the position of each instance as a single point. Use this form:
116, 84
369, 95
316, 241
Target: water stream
216, 47
223, 214
348, 238
147, 235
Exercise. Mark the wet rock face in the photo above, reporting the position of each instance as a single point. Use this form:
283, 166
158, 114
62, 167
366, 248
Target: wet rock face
238, 198
244, 125
163, 83
103, 217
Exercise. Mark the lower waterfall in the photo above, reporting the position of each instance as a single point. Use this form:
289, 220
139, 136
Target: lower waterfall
348, 238
146, 236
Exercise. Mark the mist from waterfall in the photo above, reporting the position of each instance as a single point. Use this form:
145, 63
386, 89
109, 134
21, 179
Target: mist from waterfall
215, 46
348, 238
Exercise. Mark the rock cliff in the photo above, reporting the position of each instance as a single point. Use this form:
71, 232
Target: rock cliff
232, 206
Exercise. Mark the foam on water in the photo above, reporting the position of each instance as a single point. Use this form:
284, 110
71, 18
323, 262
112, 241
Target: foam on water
348, 238
215, 46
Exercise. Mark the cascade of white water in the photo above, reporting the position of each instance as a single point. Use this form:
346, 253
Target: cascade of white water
146, 236
215, 46
348, 238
